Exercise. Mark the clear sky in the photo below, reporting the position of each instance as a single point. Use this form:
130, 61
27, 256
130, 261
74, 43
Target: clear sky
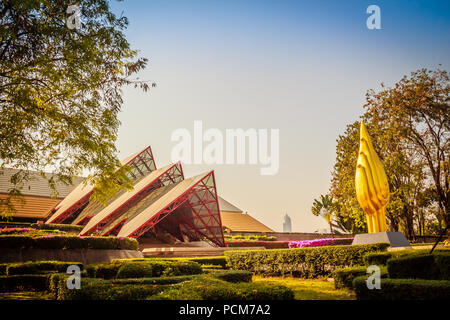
302, 67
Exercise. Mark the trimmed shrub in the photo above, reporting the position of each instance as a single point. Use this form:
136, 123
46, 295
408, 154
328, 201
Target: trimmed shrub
155, 280
39, 267
157, 269
27, 282
442, 261
206, 288
66, 242
249, 237
265, 244
343, 278
61, 227
218, 261
403, 289
300, 262
102, 270
413, 266
377, 258
234, 276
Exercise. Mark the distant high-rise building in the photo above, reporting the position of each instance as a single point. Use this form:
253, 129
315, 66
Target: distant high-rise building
287, 224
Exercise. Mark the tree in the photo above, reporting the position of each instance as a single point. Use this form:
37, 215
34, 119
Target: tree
60, 92
399, 119
324, 208
417, 108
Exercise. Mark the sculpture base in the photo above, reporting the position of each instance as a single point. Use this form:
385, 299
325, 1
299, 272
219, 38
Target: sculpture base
395, 239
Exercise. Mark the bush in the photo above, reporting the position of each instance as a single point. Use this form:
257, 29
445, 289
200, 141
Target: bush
300, 262
155, 280
157, 269
39, 267
343, 278
250, 237
217, 261
27, 282
265, 244
442, 261
421, 265
99, 289
233, 276
61, 227
377, 258
413, 266
102, 270
66, 242
206, 288
403, 289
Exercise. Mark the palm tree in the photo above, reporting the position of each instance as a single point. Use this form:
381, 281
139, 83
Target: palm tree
325, 208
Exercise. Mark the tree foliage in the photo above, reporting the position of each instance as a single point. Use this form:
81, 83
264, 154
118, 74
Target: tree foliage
409, 125
60, 92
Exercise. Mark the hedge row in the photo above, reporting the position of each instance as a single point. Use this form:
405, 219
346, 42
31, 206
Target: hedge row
381, 258
142, 269
61, 227
39, 267
199, 288
265, 244
343, 278
27, 282
66, 242
207, 288
217, 260
403, 289
428, 266
300, 262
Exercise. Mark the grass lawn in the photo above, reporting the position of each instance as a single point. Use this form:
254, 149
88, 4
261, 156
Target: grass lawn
310, 289
25, 295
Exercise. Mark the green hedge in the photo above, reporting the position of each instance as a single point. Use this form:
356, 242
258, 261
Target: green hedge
343, 278
199, 288
233, 276
309, 262
403, 289
155, 280
27, 282
39, 267
421, 266
61, 227
66, 242
136, 268
207, 288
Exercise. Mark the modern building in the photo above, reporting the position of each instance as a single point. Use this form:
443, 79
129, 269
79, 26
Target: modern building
287, 224
163, 207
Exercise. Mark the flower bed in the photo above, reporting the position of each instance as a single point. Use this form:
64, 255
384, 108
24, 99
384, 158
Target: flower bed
320, 242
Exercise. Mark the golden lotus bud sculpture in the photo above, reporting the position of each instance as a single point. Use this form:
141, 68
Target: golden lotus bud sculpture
372, 188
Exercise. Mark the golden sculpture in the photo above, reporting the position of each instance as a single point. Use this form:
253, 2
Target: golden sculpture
372, 188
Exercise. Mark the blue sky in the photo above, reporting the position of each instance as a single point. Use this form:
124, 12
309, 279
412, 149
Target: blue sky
300, 66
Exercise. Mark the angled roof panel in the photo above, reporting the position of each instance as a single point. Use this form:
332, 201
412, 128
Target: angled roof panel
79, 197
128, 199
165, 200
227, 206
242, 222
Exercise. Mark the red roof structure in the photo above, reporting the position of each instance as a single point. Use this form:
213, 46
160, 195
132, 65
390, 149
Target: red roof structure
161, 202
